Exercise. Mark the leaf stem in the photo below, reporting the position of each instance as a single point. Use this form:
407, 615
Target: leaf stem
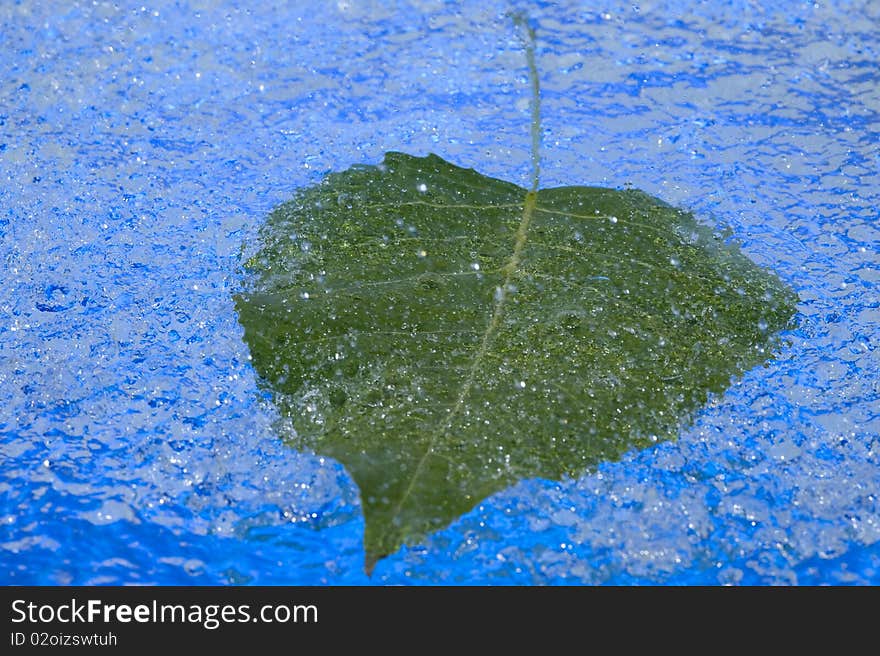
521, 21
503, 292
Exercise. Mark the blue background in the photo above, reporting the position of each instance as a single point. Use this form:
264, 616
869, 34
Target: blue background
142, 144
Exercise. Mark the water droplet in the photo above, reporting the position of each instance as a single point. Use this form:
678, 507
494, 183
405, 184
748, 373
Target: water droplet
613, 219
762, 325
422, 187
304, 295
674, 262
475, 266
422, 253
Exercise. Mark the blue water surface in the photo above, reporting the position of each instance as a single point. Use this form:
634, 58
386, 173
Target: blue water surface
143, 143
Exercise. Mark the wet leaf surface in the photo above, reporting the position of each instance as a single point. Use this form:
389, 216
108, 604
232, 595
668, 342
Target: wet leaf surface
444, 334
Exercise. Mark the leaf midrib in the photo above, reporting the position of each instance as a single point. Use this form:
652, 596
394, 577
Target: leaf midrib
501, 297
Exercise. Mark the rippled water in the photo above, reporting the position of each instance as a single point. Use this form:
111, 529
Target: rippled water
142, 144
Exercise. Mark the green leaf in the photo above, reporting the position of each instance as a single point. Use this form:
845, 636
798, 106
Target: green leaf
444, 334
